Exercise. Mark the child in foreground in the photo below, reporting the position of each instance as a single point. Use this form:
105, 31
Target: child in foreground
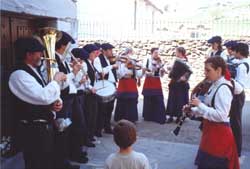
126, 158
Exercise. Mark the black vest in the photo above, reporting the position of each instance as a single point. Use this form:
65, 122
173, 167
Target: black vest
65, 70
27, 111
105, 64
217, 53
91, 73
157, 72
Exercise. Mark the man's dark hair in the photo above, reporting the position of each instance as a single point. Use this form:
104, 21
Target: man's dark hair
243, 49
124, 134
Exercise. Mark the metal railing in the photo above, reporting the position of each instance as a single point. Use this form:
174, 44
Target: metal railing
164, 29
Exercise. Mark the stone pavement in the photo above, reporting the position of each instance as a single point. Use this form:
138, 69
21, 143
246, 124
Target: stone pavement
164, 150
161, 154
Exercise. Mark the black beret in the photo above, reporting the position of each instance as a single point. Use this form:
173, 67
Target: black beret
214, 39
27, 44
80, 53
90, 48
106, 46
98, 45
64, 40
230, 44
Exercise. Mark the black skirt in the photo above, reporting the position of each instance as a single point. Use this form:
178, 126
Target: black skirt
178, 96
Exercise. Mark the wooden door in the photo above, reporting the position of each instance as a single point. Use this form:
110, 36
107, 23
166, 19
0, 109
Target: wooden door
11, 28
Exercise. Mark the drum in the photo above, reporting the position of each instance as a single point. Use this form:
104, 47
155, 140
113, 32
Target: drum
179, 70
105, 90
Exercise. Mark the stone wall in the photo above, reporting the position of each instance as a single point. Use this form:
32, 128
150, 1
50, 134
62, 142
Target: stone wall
196, 52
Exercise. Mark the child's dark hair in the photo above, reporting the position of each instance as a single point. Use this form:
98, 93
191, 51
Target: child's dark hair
217, 62
153, 49
124, 133
243, 49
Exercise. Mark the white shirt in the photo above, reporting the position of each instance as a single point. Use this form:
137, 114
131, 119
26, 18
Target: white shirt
134, 160
79, 76
70, 77
105, 70
237, 87
26, 88
222, 102
232, 59
242, 76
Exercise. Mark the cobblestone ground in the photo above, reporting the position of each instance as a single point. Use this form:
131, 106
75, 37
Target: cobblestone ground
164, 150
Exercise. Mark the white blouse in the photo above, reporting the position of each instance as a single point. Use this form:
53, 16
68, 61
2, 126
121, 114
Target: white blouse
222, 102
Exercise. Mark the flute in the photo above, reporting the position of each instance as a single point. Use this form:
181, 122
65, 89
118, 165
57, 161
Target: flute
82, 69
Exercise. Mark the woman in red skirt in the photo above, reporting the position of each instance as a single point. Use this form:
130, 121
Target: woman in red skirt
217, 148
127, 93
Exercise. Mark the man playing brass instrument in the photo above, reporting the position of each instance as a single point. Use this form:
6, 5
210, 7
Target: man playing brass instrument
35, 104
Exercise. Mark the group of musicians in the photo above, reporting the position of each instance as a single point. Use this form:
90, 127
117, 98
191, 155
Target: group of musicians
57, 119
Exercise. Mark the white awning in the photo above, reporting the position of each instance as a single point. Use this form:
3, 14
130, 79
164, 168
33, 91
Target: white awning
61, 9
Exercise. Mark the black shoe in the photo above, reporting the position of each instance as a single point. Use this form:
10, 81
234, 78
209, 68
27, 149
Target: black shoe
98, 134
90, 144
108, 131
80, 159
170, 120
67, 165
92, 139
73, 167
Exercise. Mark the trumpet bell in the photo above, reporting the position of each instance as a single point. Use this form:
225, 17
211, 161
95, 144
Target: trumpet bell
48, 36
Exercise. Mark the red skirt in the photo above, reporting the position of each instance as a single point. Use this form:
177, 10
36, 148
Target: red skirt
152, 86
217, 148
127, 87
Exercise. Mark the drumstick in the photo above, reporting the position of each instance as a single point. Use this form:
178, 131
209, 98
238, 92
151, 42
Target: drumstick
101, 88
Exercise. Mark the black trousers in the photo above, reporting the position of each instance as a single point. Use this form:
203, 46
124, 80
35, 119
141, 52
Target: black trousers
104, 115
66, 111
62, 150
61, 153
91, 111
78, 129
236, 119
36, 141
